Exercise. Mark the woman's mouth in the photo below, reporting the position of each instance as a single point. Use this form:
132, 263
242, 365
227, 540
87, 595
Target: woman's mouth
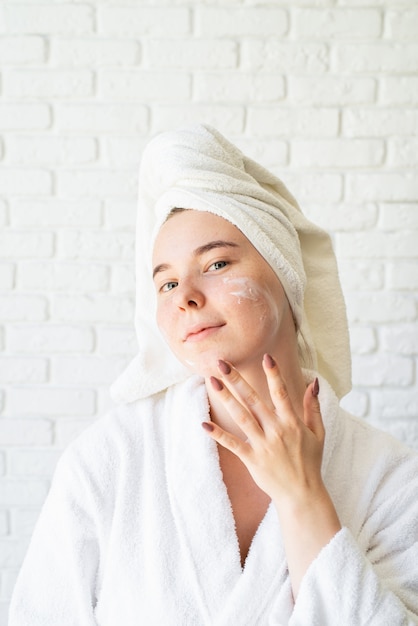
202, 332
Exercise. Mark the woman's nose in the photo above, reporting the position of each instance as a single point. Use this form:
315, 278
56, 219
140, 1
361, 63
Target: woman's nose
188, 295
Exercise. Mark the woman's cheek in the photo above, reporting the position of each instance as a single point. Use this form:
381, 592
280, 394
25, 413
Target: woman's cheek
164, 321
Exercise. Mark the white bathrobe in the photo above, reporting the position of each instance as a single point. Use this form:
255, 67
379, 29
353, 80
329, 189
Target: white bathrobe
138, 530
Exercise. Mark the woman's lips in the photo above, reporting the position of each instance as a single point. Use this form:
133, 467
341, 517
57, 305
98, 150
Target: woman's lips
202, 333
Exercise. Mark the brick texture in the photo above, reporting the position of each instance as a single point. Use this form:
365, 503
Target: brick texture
323, 93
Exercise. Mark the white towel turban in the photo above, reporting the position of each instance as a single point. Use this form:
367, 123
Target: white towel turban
197, 168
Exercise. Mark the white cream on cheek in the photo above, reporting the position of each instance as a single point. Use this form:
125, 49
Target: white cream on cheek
244, 289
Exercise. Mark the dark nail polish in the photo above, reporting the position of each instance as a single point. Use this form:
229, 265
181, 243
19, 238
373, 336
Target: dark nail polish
269, 361
216, 383
207, 426
315, 388
224, 367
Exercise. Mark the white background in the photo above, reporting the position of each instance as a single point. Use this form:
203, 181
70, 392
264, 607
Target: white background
324, 93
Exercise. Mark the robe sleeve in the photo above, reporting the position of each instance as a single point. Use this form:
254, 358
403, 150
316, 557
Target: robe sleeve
368, 572
371, 579
56, 584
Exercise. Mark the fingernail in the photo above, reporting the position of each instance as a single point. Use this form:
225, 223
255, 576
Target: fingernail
269, 361
224, 367
207, 426
315, 388
216, 383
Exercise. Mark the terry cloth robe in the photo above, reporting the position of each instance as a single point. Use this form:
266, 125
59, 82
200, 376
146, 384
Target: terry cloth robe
138, 530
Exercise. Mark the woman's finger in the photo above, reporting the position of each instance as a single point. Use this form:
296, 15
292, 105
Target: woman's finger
312, 411
242, 415
227, 440
244, 393
278, 390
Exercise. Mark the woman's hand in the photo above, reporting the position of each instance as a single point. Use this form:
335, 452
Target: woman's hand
283, 453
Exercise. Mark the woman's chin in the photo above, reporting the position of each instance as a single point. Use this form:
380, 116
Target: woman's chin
203, 367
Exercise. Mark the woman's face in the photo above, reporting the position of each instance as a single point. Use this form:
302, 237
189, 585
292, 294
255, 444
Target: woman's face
217, 298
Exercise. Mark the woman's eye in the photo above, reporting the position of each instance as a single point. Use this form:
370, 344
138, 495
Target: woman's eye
169, 286
218, 265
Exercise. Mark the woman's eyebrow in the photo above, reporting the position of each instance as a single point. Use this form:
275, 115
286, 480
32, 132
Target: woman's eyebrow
162, 267
207, 247
219, 243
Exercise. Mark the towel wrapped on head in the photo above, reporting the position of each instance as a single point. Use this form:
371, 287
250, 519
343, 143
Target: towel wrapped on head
197, 168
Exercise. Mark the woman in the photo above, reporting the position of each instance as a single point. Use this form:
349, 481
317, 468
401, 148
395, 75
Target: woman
229, 487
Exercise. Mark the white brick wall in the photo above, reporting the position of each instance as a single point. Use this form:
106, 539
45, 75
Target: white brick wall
323, 93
